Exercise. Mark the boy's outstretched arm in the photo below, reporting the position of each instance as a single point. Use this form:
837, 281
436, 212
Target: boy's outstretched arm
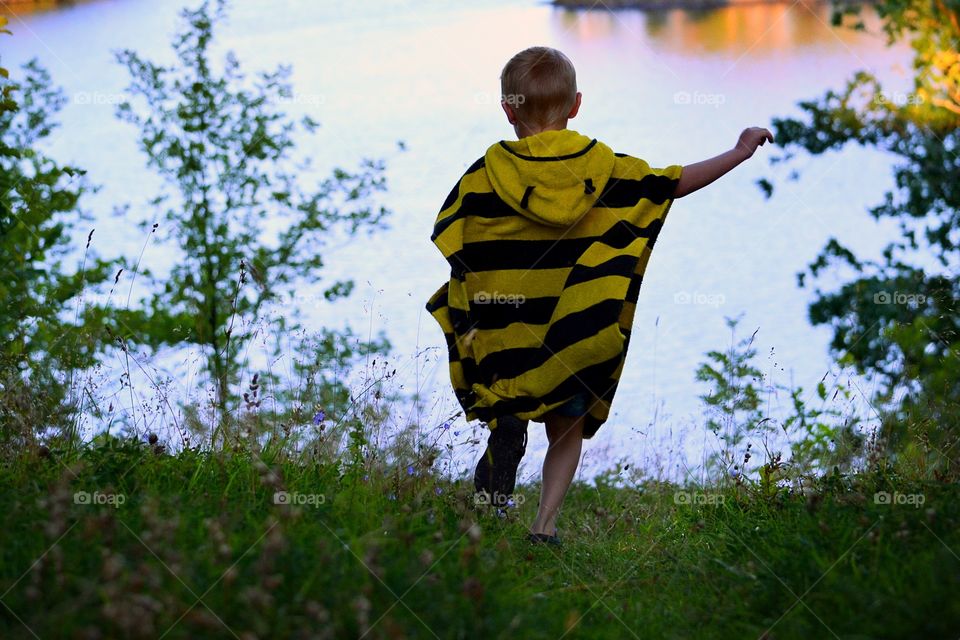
699, 174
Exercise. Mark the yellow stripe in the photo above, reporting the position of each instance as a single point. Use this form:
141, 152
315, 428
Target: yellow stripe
560, 366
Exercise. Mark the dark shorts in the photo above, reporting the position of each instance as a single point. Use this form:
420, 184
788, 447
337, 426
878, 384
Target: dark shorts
575, 407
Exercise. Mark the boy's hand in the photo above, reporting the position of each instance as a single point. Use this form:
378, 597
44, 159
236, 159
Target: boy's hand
752, 138
699, 174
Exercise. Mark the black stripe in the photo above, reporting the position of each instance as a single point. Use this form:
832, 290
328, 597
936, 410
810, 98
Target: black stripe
479, 163
594, 379
633, 291
494, 255
623, 233
483, 204
460, 320
470, 371
617, 266
498, 313
610, 391
582, 324
624, 192
452, 351
513, 362
590, 426
510, 363
439, 303
569, 156
456, 188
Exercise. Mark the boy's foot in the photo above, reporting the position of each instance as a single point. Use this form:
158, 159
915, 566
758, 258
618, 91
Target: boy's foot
543, 538
496, 473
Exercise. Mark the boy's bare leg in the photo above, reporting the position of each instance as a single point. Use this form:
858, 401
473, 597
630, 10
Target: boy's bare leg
565, 437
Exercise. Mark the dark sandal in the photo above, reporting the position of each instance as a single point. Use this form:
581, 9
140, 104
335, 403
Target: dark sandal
543, 538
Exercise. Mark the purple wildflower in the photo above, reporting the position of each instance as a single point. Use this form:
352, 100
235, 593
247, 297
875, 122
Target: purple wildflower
318, 417
410, 470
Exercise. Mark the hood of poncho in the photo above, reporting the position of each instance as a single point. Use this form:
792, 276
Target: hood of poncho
552, 177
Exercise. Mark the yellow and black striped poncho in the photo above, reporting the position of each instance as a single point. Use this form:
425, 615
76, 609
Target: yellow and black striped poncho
547, 239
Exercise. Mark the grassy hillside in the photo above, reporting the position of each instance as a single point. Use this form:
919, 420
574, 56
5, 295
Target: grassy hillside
123, 540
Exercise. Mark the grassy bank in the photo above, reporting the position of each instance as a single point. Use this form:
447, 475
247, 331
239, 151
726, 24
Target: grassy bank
123, 540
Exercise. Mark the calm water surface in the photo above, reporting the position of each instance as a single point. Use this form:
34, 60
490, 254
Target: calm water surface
671, 87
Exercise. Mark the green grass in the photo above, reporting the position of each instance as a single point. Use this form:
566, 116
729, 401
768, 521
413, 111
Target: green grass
199, 549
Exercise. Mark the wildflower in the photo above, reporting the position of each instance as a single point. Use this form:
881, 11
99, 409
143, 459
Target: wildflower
410, 470
318, 417
446, 426
437, 490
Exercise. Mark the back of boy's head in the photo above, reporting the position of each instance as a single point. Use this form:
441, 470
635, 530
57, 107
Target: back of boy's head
540, 84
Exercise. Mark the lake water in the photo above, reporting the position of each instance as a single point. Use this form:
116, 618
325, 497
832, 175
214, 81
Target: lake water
671, 87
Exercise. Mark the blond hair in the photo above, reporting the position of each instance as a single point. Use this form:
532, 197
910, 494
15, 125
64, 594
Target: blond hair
540, 84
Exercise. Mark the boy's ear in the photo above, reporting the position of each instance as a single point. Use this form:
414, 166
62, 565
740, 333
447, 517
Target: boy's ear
511, 116
576, 106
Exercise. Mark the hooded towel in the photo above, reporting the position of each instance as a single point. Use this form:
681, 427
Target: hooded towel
547, 238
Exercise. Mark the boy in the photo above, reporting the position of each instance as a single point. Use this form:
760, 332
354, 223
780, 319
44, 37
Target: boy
547, 238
